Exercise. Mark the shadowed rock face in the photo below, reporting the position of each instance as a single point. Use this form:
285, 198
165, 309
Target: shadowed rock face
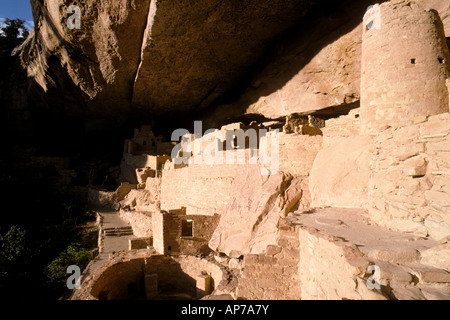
194, 52
157, 56
151, 58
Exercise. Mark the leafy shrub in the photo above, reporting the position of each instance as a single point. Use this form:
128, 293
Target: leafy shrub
74, 255
14, 250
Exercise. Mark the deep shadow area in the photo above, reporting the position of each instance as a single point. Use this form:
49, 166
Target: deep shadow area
154, 278
288, 55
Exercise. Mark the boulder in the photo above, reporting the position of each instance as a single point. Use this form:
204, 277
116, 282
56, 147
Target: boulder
250, 221
340, 173
438, 257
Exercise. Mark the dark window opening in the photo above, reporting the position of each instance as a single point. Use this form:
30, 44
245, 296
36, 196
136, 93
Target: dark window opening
186, 228
144, 143
413, 61
132, 290
369, 25
441, 60
169, 248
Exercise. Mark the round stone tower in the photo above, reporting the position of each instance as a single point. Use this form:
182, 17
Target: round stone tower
405, 64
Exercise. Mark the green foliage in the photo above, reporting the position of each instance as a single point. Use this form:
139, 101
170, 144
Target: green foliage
40, 229
73, 255
14, 250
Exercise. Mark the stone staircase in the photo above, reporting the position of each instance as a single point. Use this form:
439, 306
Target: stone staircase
118, 231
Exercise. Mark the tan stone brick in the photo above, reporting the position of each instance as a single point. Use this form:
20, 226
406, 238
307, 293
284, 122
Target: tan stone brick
249, 269
268, 283
273, 250
443, 145
273, 295
268, 260
433, 129
288, 261
434, 276
277, 270
251, 258
291, 253
404, 152
283, 242
245, 293
440, 198
290, 270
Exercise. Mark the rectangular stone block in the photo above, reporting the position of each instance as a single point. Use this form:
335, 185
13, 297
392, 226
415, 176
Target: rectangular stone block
273, 250
203, 285
268, 282
243, 292
288, 271
151, 285
139, 243
267, 260
291, 253
443, 145
288, 261
431, 129
251, 258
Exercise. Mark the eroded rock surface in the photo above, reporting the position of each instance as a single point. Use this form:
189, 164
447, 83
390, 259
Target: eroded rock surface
250, 221
332, 253
340, 174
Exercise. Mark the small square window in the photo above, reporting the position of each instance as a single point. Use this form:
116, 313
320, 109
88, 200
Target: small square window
186, 228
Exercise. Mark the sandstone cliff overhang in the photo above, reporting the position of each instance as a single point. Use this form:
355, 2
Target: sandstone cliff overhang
157, 56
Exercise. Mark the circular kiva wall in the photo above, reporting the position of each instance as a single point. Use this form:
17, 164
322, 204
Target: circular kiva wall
405, 63
158, 277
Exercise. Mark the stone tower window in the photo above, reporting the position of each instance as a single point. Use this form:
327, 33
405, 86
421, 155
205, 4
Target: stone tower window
441, 60
372, 18
413, 61
186, 228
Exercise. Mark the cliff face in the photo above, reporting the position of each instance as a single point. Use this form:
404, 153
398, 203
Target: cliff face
100, 58
164, 57
154, 56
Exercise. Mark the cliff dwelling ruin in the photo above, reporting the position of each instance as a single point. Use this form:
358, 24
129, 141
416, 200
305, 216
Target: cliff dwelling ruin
356, 117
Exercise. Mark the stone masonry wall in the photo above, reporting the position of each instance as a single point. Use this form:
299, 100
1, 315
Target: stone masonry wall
273, 274
202, 189
324, 269
206, 190
194, 267
409, 189
297, 153
158, 231
141, 222
181, 273
342, 127
203, 228
405, 64
168, 237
